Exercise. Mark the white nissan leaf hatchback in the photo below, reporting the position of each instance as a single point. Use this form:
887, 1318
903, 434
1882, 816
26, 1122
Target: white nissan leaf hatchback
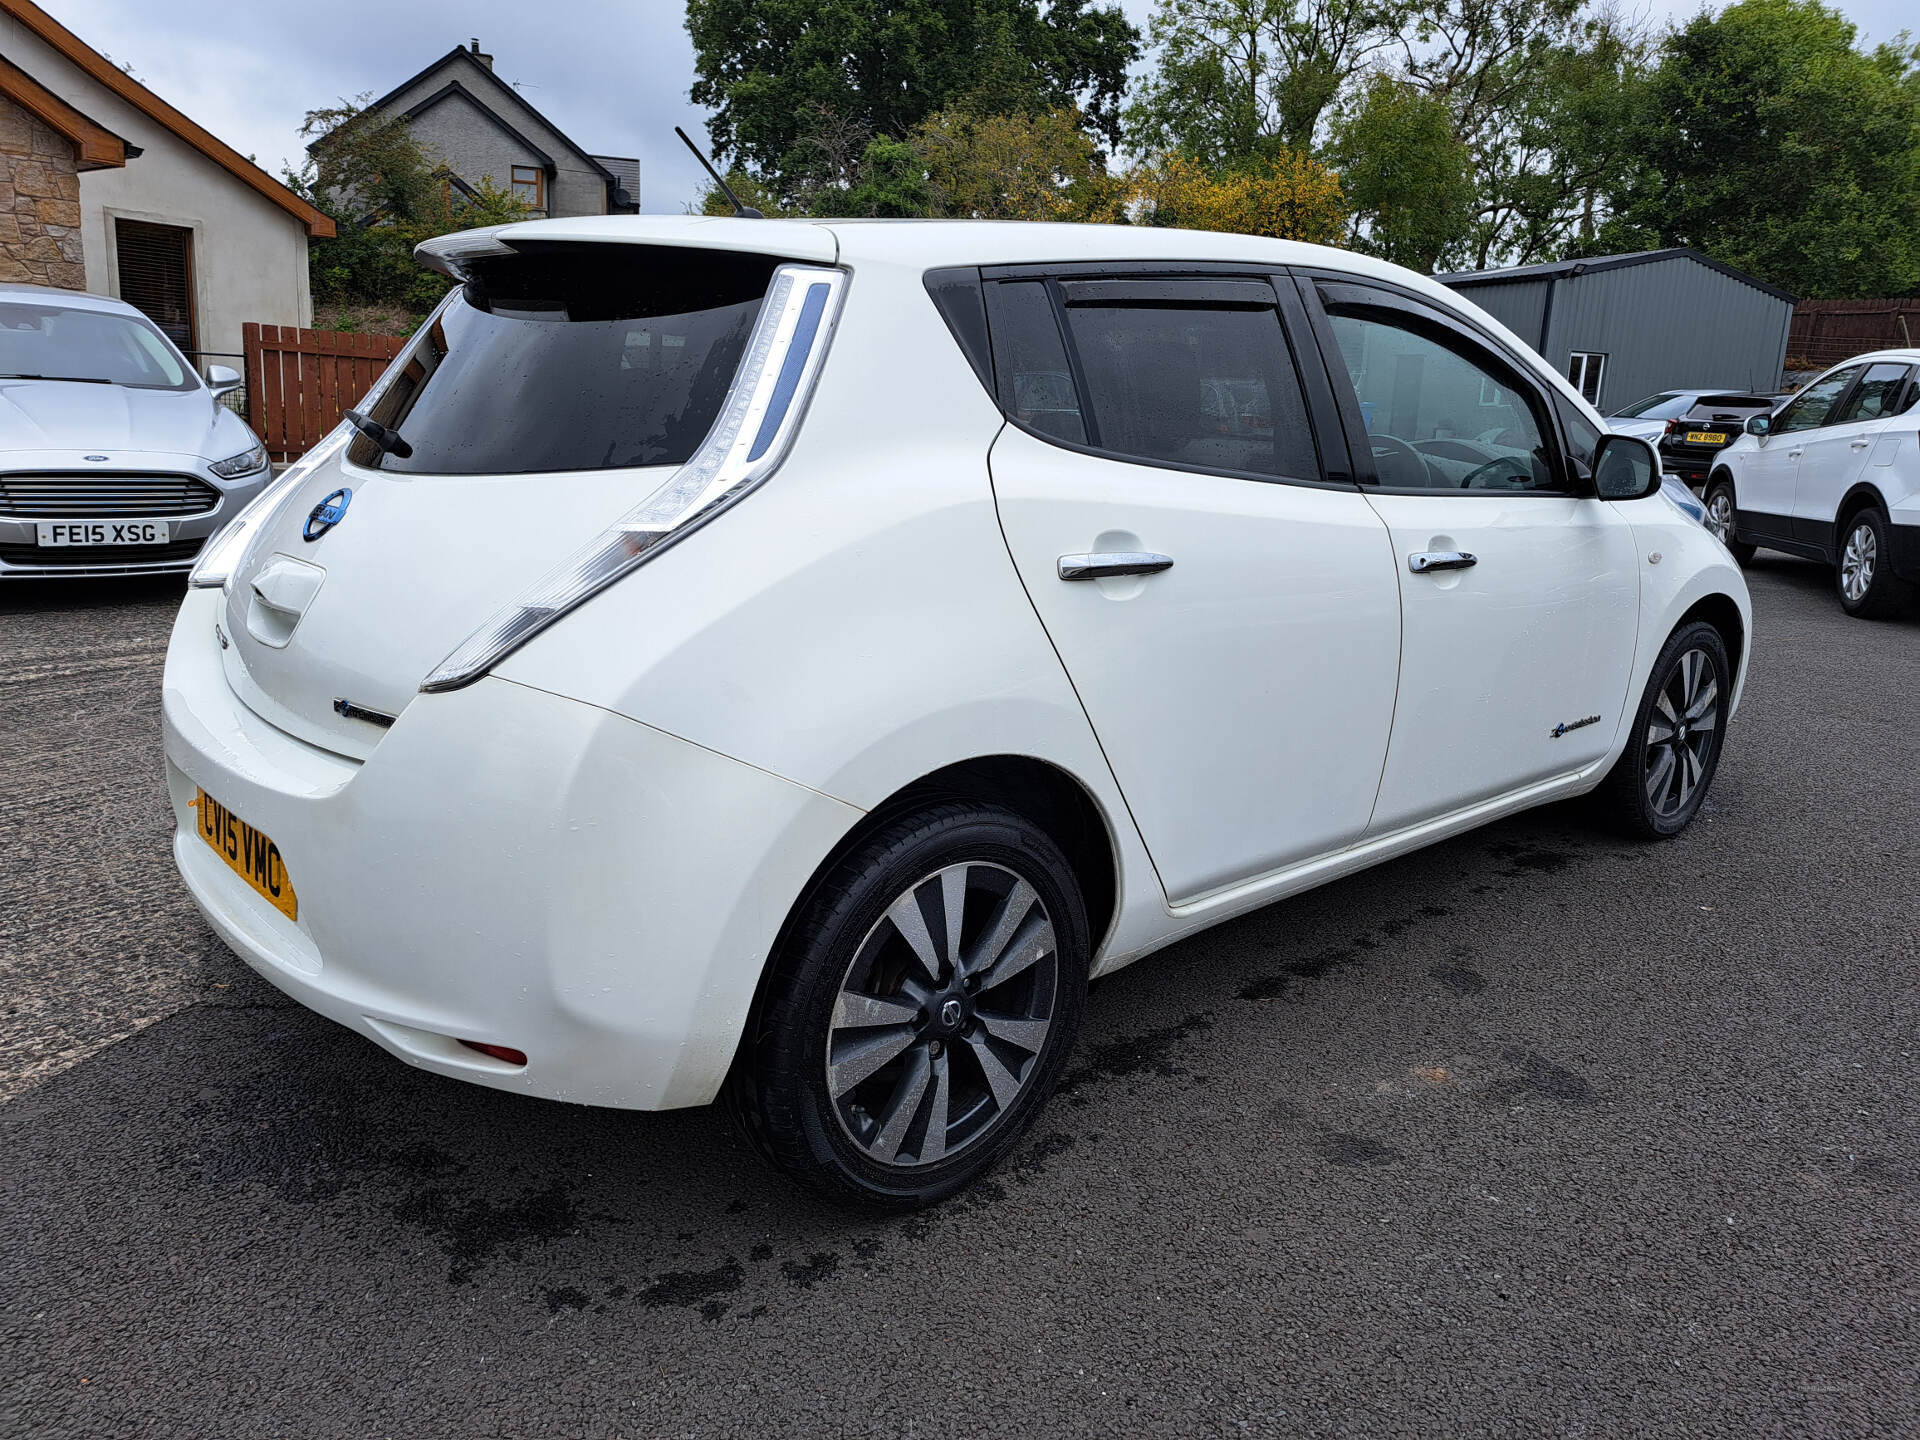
787, 660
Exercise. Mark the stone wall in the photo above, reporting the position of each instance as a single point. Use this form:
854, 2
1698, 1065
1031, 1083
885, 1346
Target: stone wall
39, 204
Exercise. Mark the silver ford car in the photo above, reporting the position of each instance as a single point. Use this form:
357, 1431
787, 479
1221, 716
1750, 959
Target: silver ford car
115, 457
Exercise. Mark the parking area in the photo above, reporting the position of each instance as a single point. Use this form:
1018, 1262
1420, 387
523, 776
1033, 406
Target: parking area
1533, 1132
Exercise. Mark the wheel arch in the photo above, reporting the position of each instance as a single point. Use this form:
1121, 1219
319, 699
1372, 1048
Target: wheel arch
1719, 610
1864, 495
1044, 792
1041, 791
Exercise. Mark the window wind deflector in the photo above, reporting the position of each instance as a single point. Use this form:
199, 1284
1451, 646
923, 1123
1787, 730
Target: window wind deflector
1216, 294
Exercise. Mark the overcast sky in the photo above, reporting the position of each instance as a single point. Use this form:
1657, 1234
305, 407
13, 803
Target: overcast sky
613, 74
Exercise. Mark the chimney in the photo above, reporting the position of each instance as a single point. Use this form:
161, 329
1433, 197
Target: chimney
473, 47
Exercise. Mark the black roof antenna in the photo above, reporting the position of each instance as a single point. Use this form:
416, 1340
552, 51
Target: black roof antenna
744, 212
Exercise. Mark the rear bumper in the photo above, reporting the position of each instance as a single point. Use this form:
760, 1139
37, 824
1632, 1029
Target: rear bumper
1692, 466
508, 867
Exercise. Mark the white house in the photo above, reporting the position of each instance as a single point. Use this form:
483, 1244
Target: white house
106, 187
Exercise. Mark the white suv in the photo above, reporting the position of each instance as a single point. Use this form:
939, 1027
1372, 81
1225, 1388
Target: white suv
1834, 475
789, 659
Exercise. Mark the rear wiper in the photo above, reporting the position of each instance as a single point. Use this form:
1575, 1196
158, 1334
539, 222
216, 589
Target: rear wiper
387, 439
75, 379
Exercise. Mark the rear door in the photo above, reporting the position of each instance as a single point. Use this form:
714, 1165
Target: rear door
1836, 454
1241, 682
1519, 591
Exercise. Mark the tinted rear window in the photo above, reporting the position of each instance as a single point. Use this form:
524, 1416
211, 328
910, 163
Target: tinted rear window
573, 357
1212, 388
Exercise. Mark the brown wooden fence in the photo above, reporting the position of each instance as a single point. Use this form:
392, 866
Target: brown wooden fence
1825, 332
299, 381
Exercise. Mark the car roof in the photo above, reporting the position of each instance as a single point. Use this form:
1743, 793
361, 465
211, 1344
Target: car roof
71, 299
1897, 357
932, 244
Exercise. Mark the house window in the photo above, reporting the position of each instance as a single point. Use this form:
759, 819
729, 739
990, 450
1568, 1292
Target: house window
1490, 392
1586, 370
530, 186
156, 275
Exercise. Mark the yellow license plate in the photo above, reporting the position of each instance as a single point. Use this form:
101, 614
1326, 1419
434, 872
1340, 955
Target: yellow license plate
1706, 437
248, 853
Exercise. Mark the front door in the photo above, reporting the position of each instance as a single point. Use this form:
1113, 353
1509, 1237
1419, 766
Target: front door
1519, 593
1228, 615
1770, 473
1836, 453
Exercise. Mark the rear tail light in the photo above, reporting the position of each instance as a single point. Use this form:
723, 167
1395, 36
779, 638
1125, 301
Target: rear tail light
745, 446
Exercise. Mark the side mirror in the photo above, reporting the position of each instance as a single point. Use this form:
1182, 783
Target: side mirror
223, 380
1759, 424
1625, 467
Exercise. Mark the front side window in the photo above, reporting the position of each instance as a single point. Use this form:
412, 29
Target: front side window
1879, 393
1587, 369
573, 357
1810, 408
1422, 404
53, 342
1214, 388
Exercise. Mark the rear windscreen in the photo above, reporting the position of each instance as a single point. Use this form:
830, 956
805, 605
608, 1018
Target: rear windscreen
572, 357
1732, 402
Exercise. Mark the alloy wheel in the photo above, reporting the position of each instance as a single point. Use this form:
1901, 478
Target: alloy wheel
1720, 516
942, 1015
1857, 560
1682, 729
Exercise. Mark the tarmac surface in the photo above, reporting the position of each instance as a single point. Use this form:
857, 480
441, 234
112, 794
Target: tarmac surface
1535, 1132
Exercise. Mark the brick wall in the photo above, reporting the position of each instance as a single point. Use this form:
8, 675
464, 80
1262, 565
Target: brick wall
39, 204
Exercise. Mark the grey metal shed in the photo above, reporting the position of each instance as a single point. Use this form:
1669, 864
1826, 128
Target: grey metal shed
1623, 326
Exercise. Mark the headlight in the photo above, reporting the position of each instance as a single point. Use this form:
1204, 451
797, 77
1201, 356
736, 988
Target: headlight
747, 443
221, 555
235, 466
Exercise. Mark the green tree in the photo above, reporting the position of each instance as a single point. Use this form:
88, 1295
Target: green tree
1008, 166
1767, 139
799, 88
1236, 79
1409, 180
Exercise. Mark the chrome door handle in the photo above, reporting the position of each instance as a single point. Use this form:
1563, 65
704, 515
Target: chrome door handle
1114, 562
1421, 561
1860, 444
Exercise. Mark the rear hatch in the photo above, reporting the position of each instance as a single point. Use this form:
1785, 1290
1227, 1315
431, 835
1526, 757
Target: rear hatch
556, 387
1714, 423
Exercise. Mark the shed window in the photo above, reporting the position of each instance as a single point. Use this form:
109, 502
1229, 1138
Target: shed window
530, 186
1586, 371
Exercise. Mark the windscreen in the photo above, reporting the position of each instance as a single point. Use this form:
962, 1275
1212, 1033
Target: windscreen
55, 342
572, 357
1664, 406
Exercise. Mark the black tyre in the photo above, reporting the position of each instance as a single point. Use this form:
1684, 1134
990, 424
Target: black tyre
1656, 787
919, 1010
1864, 577
1722, 518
